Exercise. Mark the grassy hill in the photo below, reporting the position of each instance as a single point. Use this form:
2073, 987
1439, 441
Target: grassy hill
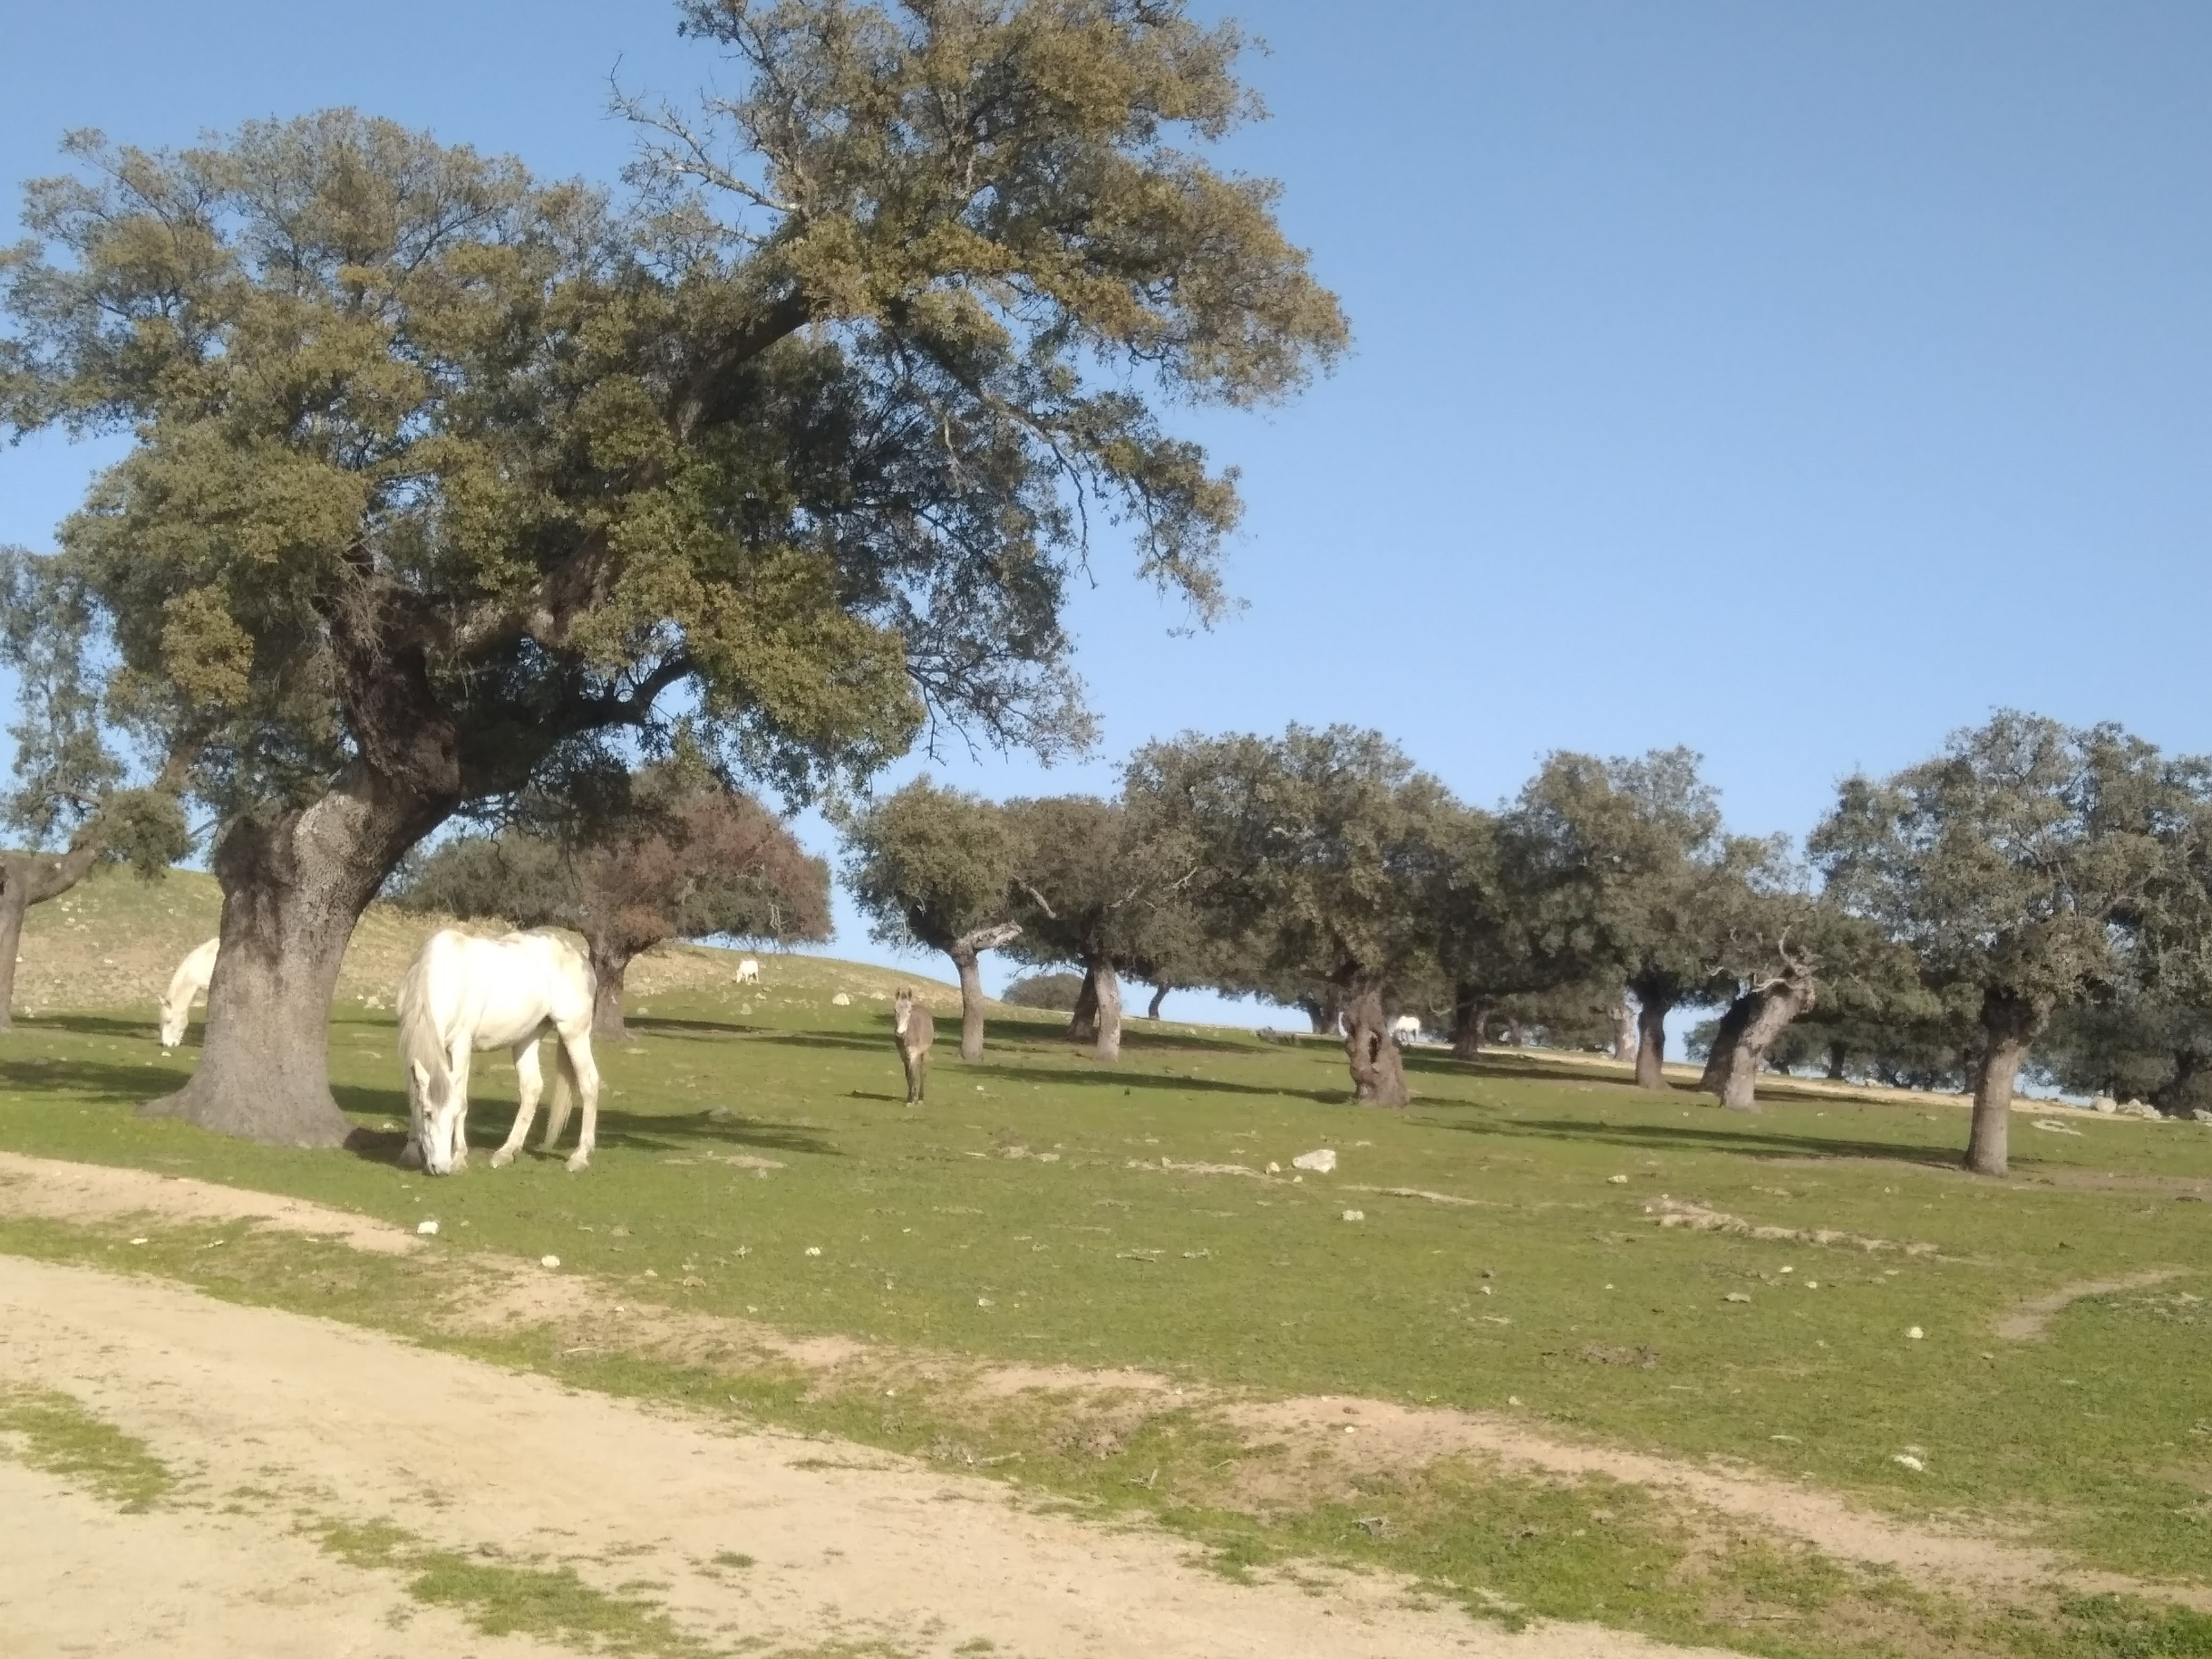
110, 944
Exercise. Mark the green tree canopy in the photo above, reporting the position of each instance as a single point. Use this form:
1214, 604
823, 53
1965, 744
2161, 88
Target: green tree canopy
934, 867
2009, 866
439, 469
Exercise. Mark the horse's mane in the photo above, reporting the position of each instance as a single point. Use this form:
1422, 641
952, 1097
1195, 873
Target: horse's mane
420, 1048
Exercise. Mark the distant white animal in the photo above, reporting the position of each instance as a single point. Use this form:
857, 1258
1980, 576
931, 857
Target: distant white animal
1405, 1027
464, 993
186, 985
749, 972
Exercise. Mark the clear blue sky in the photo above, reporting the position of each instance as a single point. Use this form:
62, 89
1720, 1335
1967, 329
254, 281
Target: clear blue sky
1796, 382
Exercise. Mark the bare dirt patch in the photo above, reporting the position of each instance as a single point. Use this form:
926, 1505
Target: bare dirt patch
488, 1294
755, 1539
2030, 1321
1699, 1217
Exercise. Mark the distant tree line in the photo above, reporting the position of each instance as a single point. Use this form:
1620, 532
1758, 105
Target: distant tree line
2035, 897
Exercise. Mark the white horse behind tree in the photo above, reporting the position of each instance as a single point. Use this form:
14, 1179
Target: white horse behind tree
186, 986
464, 993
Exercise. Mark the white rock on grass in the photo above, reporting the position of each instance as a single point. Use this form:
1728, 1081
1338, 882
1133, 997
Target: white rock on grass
1355, 1215
549, 1261
428, 1229
840, 1000
1321, 1161
1915, 1335
1906, 1460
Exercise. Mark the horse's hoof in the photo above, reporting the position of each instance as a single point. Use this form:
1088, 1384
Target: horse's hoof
578, 1161
502, 1159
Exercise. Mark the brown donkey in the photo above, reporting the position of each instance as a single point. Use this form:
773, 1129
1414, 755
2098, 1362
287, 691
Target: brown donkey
913, 1031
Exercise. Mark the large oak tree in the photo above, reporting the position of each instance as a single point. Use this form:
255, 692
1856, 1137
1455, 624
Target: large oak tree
439, 469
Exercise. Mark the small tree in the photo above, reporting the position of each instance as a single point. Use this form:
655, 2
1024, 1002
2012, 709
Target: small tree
1319, 850
2008, 864
681, 859
69, 786
934, 868
1094, 890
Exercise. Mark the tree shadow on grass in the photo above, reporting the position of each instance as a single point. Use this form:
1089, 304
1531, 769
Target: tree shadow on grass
1659, 1137
99, 1025
1104, 1076
83, 1078
696, 1132
678, 1026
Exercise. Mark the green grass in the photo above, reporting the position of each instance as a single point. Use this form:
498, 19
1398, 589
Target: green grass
933, 1234
505, 1598
53, 1431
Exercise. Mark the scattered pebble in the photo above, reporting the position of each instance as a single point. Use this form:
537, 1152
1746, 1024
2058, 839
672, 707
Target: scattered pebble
1274, 1168
1915, 1335
1906, 1460
1738, 1296
1355, 1215
428, 1229
549, 1261
1616, 1181
139, 1241
1512, 1398
982, 1301
814, 1249
1322, 1161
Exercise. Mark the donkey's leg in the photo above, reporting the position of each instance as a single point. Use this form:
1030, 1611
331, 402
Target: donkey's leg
576, 1060
529, 1080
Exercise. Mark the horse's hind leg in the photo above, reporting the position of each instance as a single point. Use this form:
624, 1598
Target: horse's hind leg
457, 1065
576, 1062
529, 1080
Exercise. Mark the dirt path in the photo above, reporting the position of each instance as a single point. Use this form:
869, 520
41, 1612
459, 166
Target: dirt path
2030, 1321
1390, 1436
283, 1420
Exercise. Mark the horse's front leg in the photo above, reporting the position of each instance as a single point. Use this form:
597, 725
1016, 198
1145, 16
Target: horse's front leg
576, 1051
531, 1080
457, 1067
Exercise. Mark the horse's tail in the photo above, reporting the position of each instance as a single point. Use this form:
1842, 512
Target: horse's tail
420, 1046
562, 1100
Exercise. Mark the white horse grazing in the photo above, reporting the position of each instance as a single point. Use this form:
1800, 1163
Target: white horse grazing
464, 993
749, 972
187, 984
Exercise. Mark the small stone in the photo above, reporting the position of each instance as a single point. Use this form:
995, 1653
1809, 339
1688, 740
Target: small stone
982, 1301
1915, 1335
814, 1249
1322, 1161
1274, 1168
428, 1229
1906, 1460
1738, 1296
840, 1000
1512, 1398
139, 1241
1616, 1181
1355, 1215
549, 1261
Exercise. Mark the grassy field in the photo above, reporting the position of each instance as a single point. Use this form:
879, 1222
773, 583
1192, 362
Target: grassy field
755, 1161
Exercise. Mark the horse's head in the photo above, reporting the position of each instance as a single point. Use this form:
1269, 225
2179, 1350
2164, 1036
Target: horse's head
174, 1018
440, 1117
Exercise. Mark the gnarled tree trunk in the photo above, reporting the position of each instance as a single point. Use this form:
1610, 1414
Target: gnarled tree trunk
1470, 1015
1650, 1043
1747, 1029
1624, 1030
1378, 1071
1324, 1009
964, 951
1160, 995
1083, 1019
609, 969
1837, 1055
25, 879
293, 885
2010, 1025
1106, 1004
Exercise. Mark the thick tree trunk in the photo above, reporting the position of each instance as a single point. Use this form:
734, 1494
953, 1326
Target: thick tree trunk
1746, 1031
1378, 1072
292, 886
25, 879
1624, 1031
1516, 1034
1324, 1011
1470, 1014
2010, 1025
609, 973
1650, 1043
1106, 997
1152, 1008
1083, 1021
1837, 1055
964, 951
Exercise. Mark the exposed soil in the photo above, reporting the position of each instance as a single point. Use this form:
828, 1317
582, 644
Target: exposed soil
495, 1295
755, 1538
2030, 1321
